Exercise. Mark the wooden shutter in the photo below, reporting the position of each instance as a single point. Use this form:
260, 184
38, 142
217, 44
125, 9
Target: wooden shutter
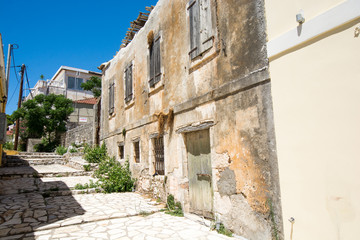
157, 61
111, 98
128, 83
206, 32
152, 67
194, 13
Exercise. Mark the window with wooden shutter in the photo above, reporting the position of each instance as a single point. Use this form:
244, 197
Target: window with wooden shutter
155, 62
111, 98
201, 32
128, 83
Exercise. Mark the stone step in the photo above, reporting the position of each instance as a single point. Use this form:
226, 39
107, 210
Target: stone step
36, 153
55, 186
35, 161
32, 156
40, 171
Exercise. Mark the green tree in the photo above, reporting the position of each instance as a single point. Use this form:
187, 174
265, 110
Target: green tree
9, 120
93, 85
45, 116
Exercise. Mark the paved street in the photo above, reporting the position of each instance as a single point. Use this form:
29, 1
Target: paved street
94, 216
40, 202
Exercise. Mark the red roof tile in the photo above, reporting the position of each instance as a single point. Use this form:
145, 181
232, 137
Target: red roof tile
91, 101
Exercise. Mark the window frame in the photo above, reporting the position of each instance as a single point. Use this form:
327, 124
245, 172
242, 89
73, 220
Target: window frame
128, 83
155, 61
201, 31
159, 154
121, 148
137, 151
111, 98
76, 83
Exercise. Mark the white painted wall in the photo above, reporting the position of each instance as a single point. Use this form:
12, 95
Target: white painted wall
316, 97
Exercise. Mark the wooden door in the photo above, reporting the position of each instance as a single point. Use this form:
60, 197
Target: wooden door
199, 169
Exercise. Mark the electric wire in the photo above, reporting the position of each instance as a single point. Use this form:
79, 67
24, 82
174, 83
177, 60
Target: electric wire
27, 80
13, 57
14, 92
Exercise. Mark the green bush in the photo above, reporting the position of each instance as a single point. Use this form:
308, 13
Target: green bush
87, 167
61, 150
114, 177
9, 145
174, 208
73, 150
46, 145
79, 186
95, 154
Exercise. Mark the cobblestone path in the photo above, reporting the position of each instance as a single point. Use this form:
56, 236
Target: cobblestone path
28, 211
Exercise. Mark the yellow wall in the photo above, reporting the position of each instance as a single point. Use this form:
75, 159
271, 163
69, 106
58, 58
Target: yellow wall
316, 97
2, 85
282, 13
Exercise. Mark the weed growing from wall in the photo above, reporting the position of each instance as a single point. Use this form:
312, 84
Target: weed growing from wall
174, 208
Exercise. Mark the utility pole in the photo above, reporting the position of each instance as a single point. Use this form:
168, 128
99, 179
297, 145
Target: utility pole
17, 127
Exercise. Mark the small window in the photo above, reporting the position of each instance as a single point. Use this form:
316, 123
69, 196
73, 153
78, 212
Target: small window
71, 83
159, 155
155, 62
74, 83
121, 151
201, 32
137, 151
79, 81
128, 83
111, 98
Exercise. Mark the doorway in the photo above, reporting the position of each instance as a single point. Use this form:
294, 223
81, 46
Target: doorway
199, 172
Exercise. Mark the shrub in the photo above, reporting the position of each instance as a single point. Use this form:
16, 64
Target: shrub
9, 145
73, 150
79, 186
174, 208
95, 154
114, 177
87, 167
46, 145
61, 150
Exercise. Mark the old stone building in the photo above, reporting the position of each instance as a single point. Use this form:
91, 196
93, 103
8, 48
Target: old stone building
188, 103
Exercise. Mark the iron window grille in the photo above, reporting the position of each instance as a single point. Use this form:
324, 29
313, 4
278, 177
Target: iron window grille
159, 155
137, 151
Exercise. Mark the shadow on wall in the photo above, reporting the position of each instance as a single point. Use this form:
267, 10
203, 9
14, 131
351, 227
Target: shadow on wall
28, 204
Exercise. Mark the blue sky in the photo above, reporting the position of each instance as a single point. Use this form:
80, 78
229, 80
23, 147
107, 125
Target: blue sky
75, 33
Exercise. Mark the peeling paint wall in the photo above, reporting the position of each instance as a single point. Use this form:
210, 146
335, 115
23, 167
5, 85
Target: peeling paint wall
226, 90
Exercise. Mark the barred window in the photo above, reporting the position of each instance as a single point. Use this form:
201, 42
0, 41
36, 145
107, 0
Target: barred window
159, 155
121, 151
137, 151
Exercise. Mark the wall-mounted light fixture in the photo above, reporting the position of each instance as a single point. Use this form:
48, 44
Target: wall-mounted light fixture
300, 17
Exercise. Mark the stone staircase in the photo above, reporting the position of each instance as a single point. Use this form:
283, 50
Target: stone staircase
45, 173
26, 159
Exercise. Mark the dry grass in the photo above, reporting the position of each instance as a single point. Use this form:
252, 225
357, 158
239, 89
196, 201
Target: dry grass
150, 38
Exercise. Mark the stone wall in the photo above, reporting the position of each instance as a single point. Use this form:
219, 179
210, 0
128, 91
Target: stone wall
80, 134
31, 143
226, 91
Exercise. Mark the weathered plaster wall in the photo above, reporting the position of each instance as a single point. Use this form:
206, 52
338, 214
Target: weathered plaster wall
227, 89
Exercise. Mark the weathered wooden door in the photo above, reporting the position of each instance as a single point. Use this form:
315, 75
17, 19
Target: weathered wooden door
199, 169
